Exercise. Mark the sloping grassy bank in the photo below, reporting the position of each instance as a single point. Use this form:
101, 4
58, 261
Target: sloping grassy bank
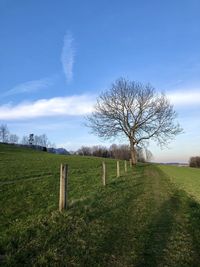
139, 219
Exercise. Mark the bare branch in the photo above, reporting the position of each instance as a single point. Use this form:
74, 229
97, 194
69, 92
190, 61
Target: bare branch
136, 111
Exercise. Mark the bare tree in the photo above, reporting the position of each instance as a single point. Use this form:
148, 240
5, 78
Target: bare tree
37, 140
84, 151
120, 151
43, 140
31, 139
4, 133
140, 154
148, 155
13, 139
25, 140
40, 140
136, 111
100, 151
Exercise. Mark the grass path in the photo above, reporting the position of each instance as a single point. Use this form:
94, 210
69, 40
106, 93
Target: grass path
140, 219
170, 241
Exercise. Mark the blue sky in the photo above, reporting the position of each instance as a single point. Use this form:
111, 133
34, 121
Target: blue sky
57, 56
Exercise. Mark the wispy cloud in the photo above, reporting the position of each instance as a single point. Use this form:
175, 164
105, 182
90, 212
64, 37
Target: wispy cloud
67, 56
187, 98
28, 87
76, 105
58, 106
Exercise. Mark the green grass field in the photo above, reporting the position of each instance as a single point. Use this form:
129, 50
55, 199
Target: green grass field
186, 178
147, 217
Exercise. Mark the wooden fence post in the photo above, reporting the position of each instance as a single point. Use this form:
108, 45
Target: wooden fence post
130, 161
63, 186
104, 173
125, 166
118, 170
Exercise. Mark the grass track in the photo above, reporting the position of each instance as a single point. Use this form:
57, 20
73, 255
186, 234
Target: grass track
139, 219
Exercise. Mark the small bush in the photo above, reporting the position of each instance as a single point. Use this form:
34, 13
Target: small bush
194, 162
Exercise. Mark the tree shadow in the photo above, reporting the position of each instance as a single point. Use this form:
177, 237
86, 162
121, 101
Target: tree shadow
177, 221
119, 242
157, 233
193, 212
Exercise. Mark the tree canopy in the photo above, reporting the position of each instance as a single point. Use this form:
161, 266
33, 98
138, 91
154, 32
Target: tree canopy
136, 111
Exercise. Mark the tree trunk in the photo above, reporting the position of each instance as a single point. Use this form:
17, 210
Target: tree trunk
133, 153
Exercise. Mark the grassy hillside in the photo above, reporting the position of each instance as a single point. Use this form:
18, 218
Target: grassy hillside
139, 219
29, 181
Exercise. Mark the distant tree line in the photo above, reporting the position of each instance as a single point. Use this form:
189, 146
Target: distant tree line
6, 136
41, 142
115, 151
194, 162
31, 139
38, 142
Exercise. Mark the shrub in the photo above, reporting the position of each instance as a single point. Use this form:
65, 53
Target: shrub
194, 162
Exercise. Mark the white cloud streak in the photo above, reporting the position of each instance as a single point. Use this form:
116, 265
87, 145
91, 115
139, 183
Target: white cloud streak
28, 87
58, 106
77, 105
67, 56
186, 98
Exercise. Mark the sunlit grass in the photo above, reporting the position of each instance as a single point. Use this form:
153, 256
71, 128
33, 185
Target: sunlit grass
184, 177
138, 219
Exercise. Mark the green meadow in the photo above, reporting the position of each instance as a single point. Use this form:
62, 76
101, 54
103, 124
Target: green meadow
184, 177
149, 216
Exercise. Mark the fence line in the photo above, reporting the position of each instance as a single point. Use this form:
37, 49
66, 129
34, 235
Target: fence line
63, 197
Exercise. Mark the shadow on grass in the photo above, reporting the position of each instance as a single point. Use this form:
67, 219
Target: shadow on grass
124, 245
193, 211
176, 224
157, 233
